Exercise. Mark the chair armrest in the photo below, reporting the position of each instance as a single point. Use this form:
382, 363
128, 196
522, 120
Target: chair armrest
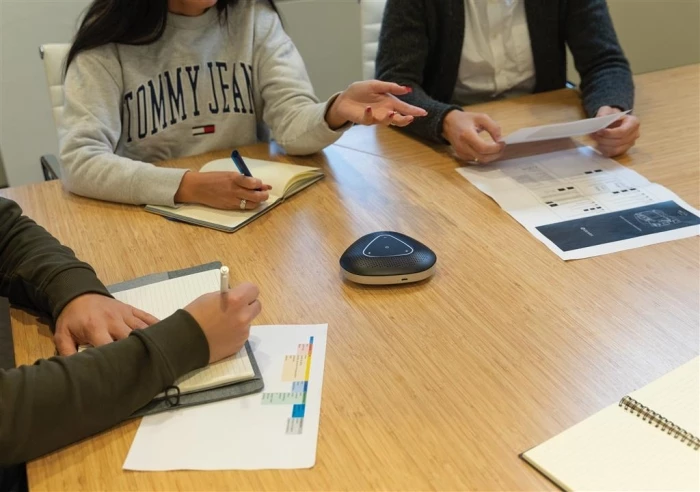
50, 167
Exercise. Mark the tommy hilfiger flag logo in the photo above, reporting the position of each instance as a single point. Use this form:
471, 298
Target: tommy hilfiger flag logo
203, 130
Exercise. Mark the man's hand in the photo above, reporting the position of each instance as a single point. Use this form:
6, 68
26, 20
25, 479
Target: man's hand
96, 320
462, 130
619, 137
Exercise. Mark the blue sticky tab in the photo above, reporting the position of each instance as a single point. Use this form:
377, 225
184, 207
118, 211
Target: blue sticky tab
298, 410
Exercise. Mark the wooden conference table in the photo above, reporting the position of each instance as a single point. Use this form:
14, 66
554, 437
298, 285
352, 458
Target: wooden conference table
432, 386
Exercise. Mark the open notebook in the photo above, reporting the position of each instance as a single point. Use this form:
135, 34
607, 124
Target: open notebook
647, 441
234, 376
230, 370
285, 179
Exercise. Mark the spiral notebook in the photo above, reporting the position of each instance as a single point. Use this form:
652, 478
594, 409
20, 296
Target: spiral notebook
647, 441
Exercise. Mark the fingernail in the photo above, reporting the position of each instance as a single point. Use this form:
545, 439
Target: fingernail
408, 89
368, 110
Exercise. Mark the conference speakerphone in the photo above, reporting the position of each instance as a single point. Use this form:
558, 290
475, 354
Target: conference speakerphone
387, 258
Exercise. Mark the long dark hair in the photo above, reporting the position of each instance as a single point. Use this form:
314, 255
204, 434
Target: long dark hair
135, 22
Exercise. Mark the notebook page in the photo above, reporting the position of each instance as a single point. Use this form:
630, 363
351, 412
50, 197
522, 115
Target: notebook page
676, 396
276, 174
616, 450
302, 181
164, 298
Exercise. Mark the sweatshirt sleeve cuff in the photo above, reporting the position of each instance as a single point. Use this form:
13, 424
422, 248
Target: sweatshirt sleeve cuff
155, 185
324, 132
72, 283
180, 341
327, 107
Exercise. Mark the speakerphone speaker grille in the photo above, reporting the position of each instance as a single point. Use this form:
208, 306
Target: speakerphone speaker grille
415, 261
355, 262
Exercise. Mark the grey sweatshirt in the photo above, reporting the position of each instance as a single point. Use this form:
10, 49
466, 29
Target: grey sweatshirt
203, 86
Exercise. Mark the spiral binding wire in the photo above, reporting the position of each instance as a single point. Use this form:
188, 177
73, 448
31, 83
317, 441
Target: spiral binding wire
648, 415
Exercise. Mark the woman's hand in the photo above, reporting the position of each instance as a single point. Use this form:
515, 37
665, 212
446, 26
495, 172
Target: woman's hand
619, 137
462, 130
224, 190
372, 102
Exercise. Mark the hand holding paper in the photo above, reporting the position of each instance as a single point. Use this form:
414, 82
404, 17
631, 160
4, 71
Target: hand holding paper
462, 129
615, 132
620, 136
563, 130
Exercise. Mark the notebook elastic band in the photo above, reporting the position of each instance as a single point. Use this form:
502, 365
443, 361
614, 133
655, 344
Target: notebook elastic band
172, 395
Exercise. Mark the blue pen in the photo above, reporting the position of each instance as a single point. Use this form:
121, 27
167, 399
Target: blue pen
240, 165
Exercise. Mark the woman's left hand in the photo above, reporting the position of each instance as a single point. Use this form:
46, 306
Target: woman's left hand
372, 102
619, 137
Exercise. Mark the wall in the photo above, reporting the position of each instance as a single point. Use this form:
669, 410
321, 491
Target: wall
26, 126
327, 34
655, 34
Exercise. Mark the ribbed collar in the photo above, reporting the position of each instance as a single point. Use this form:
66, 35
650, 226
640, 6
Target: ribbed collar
193, 23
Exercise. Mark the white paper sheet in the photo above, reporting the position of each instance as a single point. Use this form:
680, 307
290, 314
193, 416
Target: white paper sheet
581, 204
562, 130
275, 429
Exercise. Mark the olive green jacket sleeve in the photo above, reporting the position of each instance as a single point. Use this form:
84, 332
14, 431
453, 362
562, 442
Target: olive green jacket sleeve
36, 271
61, 400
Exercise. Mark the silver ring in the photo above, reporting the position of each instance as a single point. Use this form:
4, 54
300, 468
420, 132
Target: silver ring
243, 203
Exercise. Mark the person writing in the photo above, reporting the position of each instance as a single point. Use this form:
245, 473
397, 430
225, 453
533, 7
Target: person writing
60, 400
455, 53
154, 80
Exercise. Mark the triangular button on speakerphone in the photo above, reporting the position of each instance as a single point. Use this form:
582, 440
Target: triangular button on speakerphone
385, 245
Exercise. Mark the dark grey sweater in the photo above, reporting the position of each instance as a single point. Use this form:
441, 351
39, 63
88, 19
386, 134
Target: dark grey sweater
421, 41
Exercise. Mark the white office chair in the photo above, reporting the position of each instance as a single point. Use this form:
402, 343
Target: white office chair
54, 56
371, 12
